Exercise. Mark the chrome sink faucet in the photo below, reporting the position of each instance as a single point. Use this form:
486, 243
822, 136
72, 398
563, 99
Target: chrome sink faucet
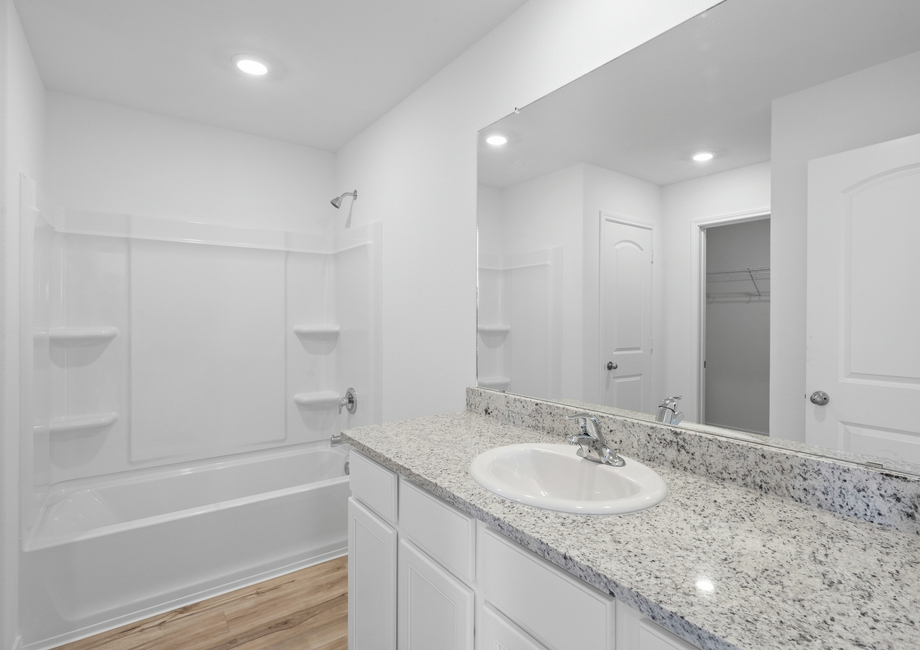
592, 443
667, 411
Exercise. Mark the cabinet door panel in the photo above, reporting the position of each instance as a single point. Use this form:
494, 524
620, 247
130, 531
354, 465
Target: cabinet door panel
371, 580
435, 609
653, 637
500, 634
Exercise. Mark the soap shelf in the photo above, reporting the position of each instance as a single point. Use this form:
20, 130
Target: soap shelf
79, 335
497, 383
324, 398
77, 423
494, 329
317, 331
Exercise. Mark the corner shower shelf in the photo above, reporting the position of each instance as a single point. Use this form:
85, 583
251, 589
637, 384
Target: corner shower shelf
497, 383
494, 329
321, 398
316, 331
78, 423
79, 335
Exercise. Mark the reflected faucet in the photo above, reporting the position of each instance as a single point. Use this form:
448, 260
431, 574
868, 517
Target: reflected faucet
592, 443
667, 411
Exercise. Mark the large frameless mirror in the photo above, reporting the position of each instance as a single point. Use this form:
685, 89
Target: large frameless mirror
771, 285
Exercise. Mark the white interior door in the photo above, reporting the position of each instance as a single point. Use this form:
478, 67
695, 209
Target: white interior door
626, 315
863, 321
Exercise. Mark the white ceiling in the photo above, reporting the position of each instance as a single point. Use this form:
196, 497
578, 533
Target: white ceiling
705, 85
337, 65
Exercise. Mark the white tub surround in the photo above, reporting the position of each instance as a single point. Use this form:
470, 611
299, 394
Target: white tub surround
720, 565
110, 550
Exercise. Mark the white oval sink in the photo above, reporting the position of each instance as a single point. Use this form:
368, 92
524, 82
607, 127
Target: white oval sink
554, 478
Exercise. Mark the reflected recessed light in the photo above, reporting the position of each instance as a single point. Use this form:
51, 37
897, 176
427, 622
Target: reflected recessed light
702, 156
496, 140
251, 64
705, 584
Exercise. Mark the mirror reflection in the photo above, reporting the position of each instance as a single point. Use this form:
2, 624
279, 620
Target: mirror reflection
716, 230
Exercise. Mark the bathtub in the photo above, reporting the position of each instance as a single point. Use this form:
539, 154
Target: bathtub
117, 549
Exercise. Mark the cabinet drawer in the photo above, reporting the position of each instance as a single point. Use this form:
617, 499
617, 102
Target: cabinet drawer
498, 634
552, 606
374, 486
445, 533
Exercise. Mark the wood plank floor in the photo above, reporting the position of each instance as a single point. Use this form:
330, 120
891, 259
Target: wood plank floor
304, 610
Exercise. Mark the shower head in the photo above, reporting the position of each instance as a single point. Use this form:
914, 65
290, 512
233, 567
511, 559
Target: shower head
337, 201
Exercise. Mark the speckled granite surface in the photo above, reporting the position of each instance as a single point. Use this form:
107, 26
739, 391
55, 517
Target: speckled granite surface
879, 496
785, 575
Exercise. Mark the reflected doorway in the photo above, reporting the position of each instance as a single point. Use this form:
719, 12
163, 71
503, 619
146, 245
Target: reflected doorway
736, 326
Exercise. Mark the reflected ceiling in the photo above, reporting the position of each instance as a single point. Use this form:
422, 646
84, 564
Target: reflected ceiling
643, 114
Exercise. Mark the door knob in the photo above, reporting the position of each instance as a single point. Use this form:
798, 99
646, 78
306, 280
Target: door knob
611, 365
820, 398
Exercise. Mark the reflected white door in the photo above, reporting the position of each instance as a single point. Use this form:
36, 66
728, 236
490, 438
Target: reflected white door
863, 322
626, 315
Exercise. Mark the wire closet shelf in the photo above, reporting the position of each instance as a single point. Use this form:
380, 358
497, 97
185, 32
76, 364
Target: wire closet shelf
751, 283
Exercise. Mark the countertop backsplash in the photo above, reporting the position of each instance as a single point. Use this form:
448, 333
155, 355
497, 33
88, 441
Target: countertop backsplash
874, 495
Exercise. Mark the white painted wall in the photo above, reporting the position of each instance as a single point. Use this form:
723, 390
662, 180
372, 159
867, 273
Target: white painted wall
108, 158
539, 215
739, 190
416, 170
738, 332
23, 107
874, 105
489, 220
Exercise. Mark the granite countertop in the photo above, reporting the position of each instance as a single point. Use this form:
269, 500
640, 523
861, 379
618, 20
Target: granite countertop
785, 575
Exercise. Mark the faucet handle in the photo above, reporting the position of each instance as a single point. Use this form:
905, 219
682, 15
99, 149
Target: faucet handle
670, 402
612, 457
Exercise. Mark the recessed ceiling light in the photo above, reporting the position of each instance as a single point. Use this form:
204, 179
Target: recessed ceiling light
496, 140
251, 64
702, 156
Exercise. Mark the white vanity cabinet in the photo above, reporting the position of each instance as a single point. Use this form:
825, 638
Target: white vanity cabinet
422, 576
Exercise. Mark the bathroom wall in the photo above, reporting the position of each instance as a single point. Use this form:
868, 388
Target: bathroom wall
22, 104
108, 158
874, 105
742, 190
416, 168
541, 243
